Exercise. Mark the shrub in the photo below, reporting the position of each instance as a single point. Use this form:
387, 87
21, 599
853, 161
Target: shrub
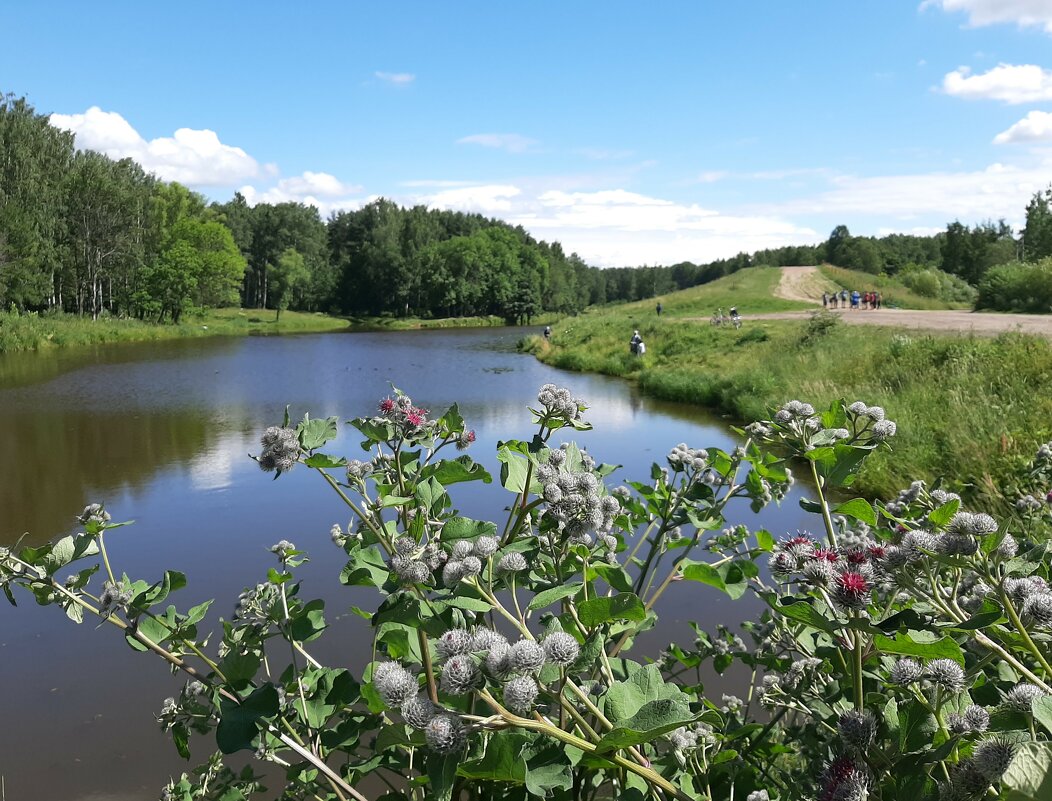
1017, 287
903, 654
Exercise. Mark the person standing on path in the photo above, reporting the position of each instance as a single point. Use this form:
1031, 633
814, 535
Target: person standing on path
825, 300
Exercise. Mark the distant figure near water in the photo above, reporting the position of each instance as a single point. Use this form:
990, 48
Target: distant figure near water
547, 332
659, 308
635, 344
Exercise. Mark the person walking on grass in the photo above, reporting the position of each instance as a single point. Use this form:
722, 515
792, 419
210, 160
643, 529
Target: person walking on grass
659, 308
635, 342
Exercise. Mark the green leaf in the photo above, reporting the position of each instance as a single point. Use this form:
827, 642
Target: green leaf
625, 699
839, 464
548, 767
315, 433
653, 719
728, 577
431, 495
858, 508
921, 644
238, 723
623, 606
916, 727
614, 575
309, 622
1043, 712
464, 528
502, 761
442, 775
553, 594
801, 612
765, 540
239, 669
513, 465
324, 460
941, 516
453, 471
1029, 777
365, 568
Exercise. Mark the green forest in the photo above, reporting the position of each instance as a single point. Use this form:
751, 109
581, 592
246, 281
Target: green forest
85, 234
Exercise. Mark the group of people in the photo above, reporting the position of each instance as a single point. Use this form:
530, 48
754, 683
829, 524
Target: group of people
858, 300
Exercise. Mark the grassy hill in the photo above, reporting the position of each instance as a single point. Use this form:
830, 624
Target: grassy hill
751, 290
896, 295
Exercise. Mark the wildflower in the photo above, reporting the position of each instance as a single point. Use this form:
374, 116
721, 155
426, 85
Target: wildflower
485, 546
956, 545
906, 672
884, 429
113, 597
483, 639
445, 733
460, 675
94, 512
511, 563
357, 470
281, 449
844, 780
758, 795
526, 656
976, 525
1037, 609
454, 642
946, 673
464, 440
1007, 548
471, 566
683, 738
857, 729
394, 684
851, 590
558, 402
461, 549
1021, 697
414, 572
386, 407
418, 711
992, 757
974, 719
520, 694
561, 648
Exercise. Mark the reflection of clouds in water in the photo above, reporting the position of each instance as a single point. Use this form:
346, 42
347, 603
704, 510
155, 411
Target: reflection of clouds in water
213, 469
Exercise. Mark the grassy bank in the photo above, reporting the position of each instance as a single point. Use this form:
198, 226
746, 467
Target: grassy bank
35, 332
969, 409
416, 323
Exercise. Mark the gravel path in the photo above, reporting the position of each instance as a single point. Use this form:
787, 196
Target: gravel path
805, 284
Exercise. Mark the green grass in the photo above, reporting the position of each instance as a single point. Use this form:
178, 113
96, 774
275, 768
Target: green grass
970, 409
896, 295
36, 332
413, 323
751, 290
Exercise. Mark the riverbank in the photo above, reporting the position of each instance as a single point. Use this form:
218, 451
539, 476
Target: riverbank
23, 332
969, 409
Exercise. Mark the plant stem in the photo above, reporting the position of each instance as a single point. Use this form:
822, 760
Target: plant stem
830, 532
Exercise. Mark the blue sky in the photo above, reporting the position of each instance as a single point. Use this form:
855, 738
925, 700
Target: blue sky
631, 132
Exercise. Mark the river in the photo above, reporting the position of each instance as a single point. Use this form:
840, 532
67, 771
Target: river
161, 433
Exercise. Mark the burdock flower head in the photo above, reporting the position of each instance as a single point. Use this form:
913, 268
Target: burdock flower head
945, 673
560, 403
850, 590
906, 672
281, 449
445, 733
857, 729
520, 694
561, 648
394, 684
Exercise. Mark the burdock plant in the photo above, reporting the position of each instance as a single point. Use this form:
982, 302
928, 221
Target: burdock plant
904, 650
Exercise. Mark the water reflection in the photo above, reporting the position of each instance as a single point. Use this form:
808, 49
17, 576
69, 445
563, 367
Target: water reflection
161, 433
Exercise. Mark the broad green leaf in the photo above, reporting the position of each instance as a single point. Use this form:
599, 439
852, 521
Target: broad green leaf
239, 669
802, 612
239, 723
623, 606
442, 775
765, 540
553, 594
464, 528
921, 644
502, 761
941, 516
315, 433
513, 466
1029, 777
309, 622
453, 471
1043, 712
626, 698
548, 766
614, 575
365, 568
653, 719
858, 508
728, 577
324, 460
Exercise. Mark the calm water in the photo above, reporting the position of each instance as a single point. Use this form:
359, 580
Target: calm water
161, 433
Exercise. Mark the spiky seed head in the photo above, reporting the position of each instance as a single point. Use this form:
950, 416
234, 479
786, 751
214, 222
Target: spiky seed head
561, 648
462, 548
472, 566
404, 546
1021, 697
445, 733
1037, 609
454, 642
851, 590
394, 684
452, 572
946, 673
497, 663
992, 757
1007, 548
513, 562
415, 572
758, 795
484, 639
520, 694
857, 729
977, 718
485, 546
418, 711
460, 675
526, 656
906, 672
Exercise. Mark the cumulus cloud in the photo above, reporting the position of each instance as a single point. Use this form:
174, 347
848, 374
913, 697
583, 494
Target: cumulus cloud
511, 142
191, 157
1034, 127
1024, 13
1000, 190
396, 78
319, 189
1011, 83
484, 199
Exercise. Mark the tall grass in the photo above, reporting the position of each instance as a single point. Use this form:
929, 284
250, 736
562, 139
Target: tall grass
969, 407
20, 332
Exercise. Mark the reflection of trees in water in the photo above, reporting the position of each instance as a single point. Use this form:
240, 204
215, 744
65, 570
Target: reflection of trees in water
58, 460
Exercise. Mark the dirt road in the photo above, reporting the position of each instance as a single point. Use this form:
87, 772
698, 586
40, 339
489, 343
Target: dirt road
976, 322
805, 284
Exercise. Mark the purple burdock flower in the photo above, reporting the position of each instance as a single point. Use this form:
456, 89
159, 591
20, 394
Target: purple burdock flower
850, 590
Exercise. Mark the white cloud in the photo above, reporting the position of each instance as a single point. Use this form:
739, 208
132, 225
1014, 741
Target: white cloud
396, 78
1012, 83
998, 191
319, 189
430, 183
513, 143
1024, 13
1034, 127
485, 199
712, 176
191, 157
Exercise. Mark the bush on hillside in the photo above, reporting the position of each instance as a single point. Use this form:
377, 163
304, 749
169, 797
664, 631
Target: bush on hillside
931, 282
1017, 287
